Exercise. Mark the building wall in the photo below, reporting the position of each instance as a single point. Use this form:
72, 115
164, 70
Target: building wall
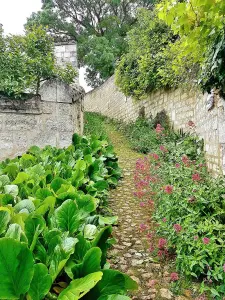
181, 106
50, 118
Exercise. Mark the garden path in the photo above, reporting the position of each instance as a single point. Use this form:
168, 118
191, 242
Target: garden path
131, 252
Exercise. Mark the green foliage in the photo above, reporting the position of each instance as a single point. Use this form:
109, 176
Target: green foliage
200, 26
98, 26
27, 60
146, 66
53, 239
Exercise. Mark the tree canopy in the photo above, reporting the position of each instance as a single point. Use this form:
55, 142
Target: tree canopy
98, 26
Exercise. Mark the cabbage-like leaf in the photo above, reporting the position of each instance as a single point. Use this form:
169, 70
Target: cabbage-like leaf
90, 231
23, 205
4, 180
16, 268
67, 217
4, 220
108, 220
40, 284
81, 248
11, 190
14, 232
79, 287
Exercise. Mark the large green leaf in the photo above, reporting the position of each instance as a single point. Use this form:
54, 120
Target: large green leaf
108, 220
61, 255
4, 220
34, 225
4, 180
67, 217
21, 177
79, 287
40, 284
91, 263
113, 282
15, 232
16, 268
101, 242
81, 248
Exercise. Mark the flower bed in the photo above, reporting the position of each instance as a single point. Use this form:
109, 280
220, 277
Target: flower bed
188, 208
53, 237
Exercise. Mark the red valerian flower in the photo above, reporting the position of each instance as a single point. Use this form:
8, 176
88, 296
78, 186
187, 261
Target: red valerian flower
143, 227
142, 204
159, 128
174, 276
155, 156
162, 243
177, 165
164, 220
196, 177
206, 240
195, 237
177, 227
163, 149
168, 189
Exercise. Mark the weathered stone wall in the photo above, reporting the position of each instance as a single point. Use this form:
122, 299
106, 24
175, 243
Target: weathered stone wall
48, 119
181, 106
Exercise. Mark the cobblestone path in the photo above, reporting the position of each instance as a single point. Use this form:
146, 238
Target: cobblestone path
130, 254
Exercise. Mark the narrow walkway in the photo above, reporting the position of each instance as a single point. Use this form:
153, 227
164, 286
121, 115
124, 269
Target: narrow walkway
131, 254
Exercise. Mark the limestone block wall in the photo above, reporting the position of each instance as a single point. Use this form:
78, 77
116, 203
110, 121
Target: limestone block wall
50, 118
181, 106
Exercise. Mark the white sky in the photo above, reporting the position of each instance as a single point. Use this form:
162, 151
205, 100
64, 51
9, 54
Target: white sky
13, 15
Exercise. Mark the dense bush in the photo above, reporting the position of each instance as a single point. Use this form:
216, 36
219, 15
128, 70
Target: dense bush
146, 66
27, 60
53, 237
188, 207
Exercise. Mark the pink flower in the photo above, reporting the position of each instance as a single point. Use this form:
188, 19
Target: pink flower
196, 177
155, 156
160, 253
162, 243
163, 149
164, 220
174, 276
177, 227
195, 237
151, 249
143, 227
224, 267
206, 240
159, 128
142, 204
185, 159
149, 235
177, 165
168, 189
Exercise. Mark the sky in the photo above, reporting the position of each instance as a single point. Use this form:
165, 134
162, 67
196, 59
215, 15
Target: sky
13, 15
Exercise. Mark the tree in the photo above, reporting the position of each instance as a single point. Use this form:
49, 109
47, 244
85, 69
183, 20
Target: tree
201, 28
98, 26
27, 60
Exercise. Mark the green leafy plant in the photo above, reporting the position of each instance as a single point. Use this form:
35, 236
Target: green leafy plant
53, 237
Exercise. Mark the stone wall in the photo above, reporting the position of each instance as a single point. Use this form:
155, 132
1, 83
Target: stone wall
181, 106
48, 119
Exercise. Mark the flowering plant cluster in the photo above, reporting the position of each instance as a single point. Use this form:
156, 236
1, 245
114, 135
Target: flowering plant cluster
187, 205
